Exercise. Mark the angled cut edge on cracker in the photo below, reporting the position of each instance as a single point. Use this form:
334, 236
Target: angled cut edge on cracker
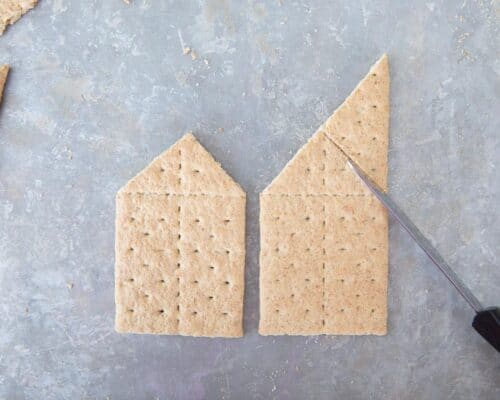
180, 247
323, 260
12, 10
4, 72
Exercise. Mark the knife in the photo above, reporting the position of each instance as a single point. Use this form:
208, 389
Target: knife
487, 320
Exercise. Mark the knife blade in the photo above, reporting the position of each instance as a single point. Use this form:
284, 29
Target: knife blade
487, 320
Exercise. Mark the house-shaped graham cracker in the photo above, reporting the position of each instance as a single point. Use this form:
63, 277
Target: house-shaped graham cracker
323, 261
180, 247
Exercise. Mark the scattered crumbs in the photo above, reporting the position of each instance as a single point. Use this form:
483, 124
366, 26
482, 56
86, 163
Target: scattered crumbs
186, 50
126, 1
463, 36
194, 55
220, 130
273, 389
205, 61
447, 81
70, 285
465, 55
69, 153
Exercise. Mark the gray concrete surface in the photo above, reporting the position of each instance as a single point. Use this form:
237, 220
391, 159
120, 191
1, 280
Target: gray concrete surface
98, 88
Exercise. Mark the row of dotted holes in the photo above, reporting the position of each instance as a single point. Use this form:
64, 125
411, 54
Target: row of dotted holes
162, 311
178, 293
196, 251
309, 280
308, 249
196, 171
178, 243
226, 282
374, 138
226, 221
323, 249
323, 321
308, 169
324, 223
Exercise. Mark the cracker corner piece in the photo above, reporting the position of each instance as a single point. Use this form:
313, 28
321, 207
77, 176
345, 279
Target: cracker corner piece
4, 71
180, 247
12, 10
323, 234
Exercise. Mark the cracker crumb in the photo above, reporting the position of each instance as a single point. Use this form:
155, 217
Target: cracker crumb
70, 285
194, 55
12, 10
126, 1
4, 71
186, 50
220, 130
69, 153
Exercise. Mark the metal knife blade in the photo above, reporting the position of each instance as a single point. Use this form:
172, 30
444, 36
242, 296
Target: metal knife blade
421, 240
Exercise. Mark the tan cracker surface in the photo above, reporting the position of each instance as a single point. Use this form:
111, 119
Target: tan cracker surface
180, 247
12, 10
4, 71
323, 262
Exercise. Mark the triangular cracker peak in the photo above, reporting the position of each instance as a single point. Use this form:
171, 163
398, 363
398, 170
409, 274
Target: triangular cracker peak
4, 71
12, 10
185, 168
319, 167
360, 126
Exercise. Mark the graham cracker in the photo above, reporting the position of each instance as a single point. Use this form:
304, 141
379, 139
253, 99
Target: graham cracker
12, 10
324, 236
180, 247
4, 71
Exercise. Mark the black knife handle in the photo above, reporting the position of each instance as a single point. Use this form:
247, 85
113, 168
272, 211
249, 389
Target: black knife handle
487, 323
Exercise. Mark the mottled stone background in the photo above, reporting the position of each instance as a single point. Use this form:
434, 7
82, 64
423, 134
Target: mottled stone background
98, 88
